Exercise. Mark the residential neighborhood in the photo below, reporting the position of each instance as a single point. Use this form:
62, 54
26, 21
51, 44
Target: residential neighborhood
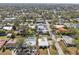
39, 29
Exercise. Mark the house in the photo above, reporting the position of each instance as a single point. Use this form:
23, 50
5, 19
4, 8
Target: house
43, 43
61, 30
31, 41
71, 25
77, 19
62, 20
8, 27
41, 28
40, 20
9, 19
11, 42
9, 35
31, 26
2, 42
68, 41
59, 26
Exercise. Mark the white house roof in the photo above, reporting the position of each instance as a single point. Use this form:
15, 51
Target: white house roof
31, 41
7, 27
43, 41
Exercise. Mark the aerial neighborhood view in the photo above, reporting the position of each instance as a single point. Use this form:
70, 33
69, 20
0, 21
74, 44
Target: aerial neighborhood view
39, 29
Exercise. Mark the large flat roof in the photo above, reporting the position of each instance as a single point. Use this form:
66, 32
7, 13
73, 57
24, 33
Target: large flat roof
43, 41
68, 39
31, 41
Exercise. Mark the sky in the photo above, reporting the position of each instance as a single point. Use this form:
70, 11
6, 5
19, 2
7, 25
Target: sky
39, 1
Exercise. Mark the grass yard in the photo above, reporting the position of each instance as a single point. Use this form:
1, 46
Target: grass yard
71, 50
3, 38
76, 40
19, 40
53, 51
43, 52
6, 52
63, 46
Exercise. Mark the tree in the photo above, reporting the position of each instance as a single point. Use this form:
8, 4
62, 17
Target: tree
24, 19
16, 24
14, 27
24, 32
3, 49
2, 32
13, 35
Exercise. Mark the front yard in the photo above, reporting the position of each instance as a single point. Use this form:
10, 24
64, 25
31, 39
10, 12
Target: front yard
6, 52
3, 38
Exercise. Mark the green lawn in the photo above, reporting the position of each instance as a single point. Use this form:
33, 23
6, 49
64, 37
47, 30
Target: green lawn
19, 40
3, 37
53, 51
76, 40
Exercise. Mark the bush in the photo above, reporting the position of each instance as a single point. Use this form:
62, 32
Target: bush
2, 32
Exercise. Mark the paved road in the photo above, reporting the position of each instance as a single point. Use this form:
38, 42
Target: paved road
60, 52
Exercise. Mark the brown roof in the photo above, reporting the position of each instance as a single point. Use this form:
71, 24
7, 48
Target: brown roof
61, 30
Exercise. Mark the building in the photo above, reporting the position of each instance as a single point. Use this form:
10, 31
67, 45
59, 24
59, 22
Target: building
9, 19
62, 20
8, 27
68, 41
71, 25
31, 26
11, 44
40, 20
43, 43
59, 26
41, 28
2, 42
9, 35
31, 41
61, 30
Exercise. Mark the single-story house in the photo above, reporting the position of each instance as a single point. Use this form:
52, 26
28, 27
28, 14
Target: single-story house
2, 42
68, 41
11, 44
77, 19
9, 19
61, 30
31, 26
42, 28
71, 25
8, 27
59, 26
9, 35
40, 20
43, 43
31, 41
